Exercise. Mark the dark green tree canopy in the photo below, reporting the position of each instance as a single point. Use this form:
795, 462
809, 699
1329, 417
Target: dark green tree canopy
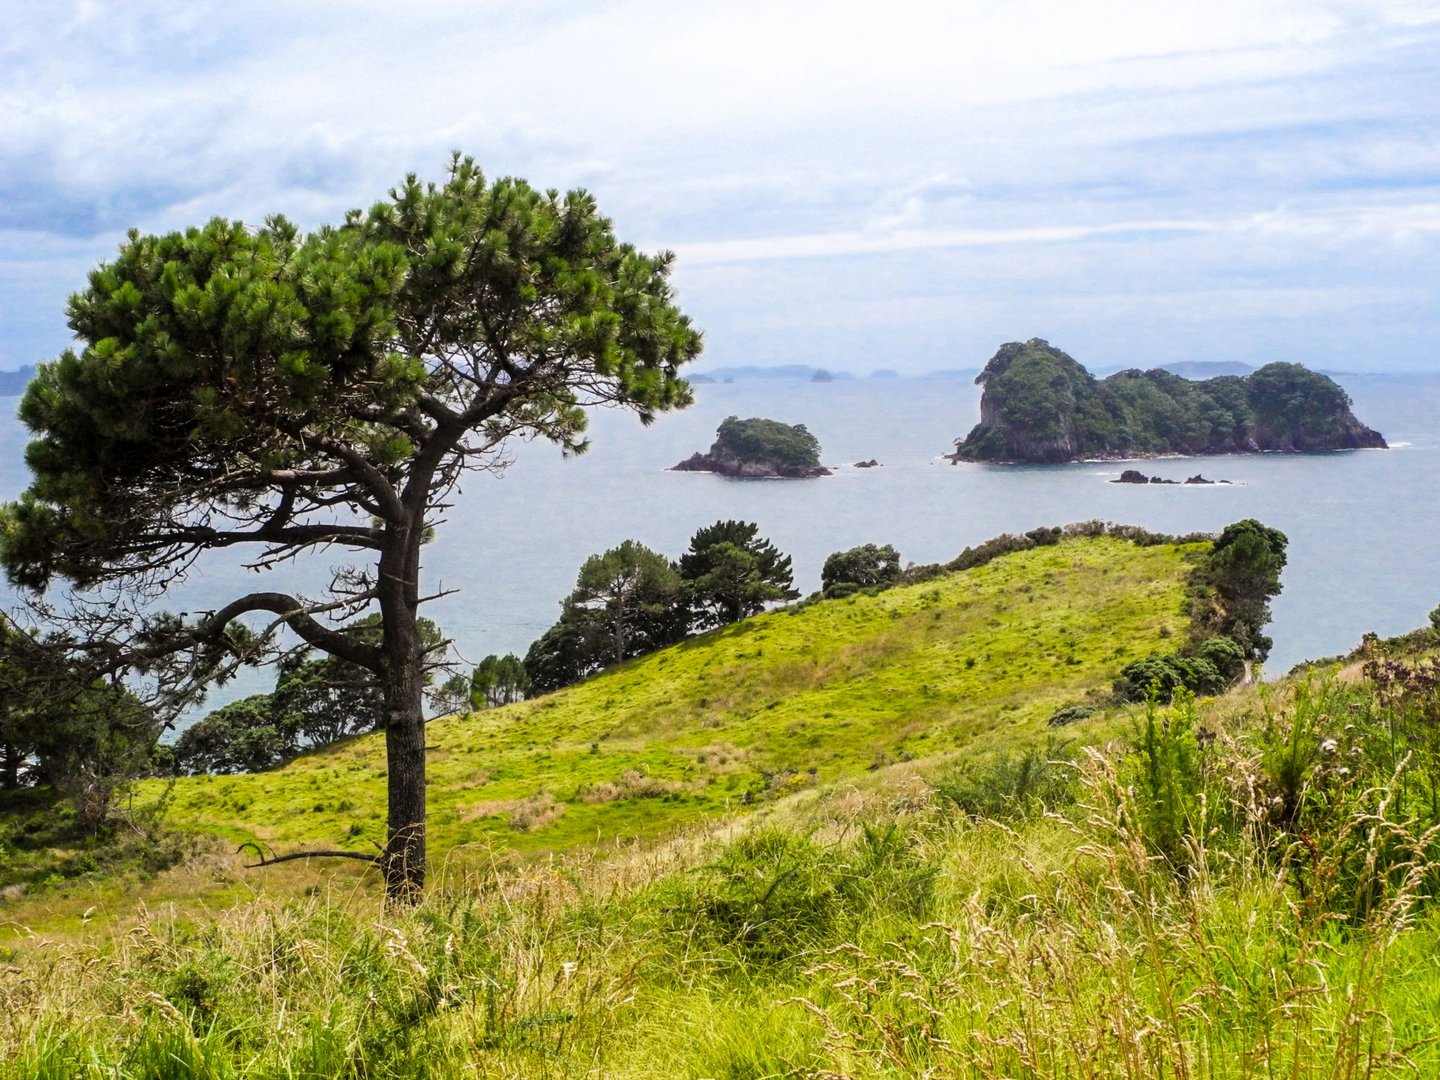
860, 567
627, 601
632, 590
498, 680
731, 573
245, 736
85, 736
630, 601
567, 652
1244, 570
287, 392
758, 439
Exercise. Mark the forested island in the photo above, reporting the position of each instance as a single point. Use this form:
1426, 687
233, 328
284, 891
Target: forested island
1041, 406
757, 449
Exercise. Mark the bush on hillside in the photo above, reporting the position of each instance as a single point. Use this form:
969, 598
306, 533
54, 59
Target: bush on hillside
1163, 674
1225, 654
862, 567
1242, 574
1008, 787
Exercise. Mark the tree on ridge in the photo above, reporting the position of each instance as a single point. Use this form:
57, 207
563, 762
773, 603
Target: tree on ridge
293, 393
732, 572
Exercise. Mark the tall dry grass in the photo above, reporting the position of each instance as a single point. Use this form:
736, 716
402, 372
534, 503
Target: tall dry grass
1200, 906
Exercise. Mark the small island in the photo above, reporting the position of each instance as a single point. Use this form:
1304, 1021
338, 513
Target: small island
1041, 406
757, 449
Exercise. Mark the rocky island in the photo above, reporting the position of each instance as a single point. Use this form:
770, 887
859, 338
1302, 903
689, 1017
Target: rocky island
1135, 476
757, 449
1041, 406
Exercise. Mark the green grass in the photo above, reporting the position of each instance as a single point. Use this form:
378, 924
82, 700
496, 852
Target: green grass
1038, 911
789, 700
870, 931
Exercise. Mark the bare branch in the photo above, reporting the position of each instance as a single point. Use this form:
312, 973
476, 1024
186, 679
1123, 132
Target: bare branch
373, 860
295, 615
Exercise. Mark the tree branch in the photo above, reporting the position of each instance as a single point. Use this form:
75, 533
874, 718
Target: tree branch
292, 612
373, 860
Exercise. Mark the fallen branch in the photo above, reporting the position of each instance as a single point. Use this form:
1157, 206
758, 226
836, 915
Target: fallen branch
373, 860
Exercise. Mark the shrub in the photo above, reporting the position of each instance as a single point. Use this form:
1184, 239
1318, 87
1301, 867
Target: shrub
1170, 781
1070, 714
768, 897
860, 567
1008, 787
1163, 674
1225, 654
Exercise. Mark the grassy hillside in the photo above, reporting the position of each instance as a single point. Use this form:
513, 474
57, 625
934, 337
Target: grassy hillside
1245, 887
1156, 914
977, 660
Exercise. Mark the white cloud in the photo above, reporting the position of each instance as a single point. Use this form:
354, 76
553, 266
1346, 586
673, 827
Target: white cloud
1029, 137
1350, 223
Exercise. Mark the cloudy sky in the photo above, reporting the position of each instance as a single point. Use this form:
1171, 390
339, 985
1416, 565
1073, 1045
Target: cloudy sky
854, 185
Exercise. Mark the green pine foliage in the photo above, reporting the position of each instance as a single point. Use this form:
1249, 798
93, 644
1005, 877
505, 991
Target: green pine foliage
731, 572
294, 393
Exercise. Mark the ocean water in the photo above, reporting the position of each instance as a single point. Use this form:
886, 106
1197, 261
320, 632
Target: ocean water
1364, 526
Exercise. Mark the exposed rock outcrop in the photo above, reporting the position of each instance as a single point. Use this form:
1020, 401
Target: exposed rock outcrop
748, 470
1135, 476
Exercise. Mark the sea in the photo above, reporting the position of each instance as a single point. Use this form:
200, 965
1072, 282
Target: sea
1364, 526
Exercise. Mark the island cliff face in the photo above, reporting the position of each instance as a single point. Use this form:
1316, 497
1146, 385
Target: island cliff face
759, 449
1039, 405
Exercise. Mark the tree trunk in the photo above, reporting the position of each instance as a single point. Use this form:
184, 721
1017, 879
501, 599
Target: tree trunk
404, 859
9, 767
403, 685
620, 627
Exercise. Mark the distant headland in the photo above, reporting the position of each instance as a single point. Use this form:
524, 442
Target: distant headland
1041, 406
13, 383
759, 449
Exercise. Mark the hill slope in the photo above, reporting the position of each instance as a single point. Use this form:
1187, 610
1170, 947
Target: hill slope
976, 660
1150, 912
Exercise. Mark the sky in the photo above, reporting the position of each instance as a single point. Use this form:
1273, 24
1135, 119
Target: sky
856, 186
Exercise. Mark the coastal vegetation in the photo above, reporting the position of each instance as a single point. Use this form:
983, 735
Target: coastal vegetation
284, 393
863, 567
759, 448
630, 601
317, 700
1224, 887
1040, 405
497, 681
721, 723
